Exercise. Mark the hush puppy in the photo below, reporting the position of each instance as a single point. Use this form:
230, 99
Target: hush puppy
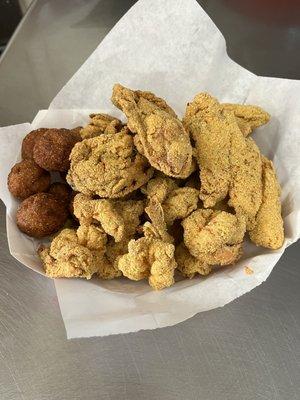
27, 178
52, 149
29, 142
61, 191
41, 215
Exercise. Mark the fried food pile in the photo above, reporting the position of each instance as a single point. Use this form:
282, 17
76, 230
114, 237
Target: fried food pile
151, 196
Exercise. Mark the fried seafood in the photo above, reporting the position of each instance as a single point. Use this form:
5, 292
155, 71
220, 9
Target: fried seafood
161, 136
268, 226
149, 258
212, 136
248, 117
245, 190
99, 124
118, 218
206, 231
107, 166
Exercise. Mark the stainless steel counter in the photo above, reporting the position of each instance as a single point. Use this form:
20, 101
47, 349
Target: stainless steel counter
248, 350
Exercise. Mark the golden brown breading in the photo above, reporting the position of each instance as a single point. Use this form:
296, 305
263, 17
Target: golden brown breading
78, 255
246, 169
212, 135
268, 228
161, 135
93, 237
159, 187
180, 203
157, 228
149, 258
108, 166
118, 219
66, 258
114, 250
188, 265
225, 255
205, 231
248, 117
99, 124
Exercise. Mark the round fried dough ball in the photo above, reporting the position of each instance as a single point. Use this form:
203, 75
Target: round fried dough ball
108, 166
52, 149
29, 142
27, 178
61, 191
41, 215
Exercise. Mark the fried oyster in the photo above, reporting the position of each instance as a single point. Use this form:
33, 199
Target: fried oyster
107, 166
118, 218
99, 124
207, 231
161, 136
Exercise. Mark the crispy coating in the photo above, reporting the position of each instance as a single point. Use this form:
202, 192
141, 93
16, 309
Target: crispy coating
78, 255
212, 135
27, 178
246, 169
114, 250
180, 203
225, 255
189, 265
61, 191
205, 231
159, 187
99, 124
93, 237
162, 137
52, 149
268, 229
108, 166
149, 258
118, 218
67, 258
29, 142
157, 228
248, 117
41, 215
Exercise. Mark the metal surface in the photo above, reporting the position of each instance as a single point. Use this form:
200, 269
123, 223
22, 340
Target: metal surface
247, 350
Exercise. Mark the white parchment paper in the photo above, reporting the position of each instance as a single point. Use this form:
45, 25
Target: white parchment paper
173, 49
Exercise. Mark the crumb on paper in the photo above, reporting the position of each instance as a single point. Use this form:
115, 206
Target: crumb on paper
248, 270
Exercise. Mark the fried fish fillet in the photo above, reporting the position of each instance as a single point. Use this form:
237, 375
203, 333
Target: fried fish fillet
268, 227
212, 136
248, 117
161, 137
245, 190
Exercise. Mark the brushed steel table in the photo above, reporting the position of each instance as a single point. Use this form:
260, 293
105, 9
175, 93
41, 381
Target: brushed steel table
248, 350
